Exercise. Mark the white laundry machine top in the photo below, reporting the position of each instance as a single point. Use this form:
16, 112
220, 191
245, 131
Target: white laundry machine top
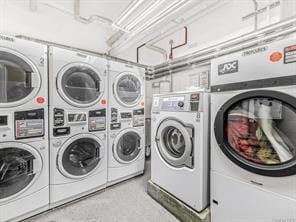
23, 73
77, 79
268, 64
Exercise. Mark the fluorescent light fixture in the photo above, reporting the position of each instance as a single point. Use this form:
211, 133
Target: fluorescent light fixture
157, 19
129, 10
150, 9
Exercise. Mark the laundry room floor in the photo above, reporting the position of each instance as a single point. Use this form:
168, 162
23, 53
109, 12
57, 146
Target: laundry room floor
124, 202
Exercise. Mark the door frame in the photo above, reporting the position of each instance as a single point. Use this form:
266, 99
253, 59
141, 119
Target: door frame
64, 147
116, 96
281, 170
115, 143
61, 92
37, 164
35, 79
188, 133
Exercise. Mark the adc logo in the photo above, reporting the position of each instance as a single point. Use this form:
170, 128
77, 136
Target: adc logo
227, 68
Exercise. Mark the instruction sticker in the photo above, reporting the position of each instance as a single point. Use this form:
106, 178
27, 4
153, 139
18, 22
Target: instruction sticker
290, 54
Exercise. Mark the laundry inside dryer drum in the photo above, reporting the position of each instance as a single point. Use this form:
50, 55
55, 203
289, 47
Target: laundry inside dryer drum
16, 171
81, 84
15, 78
262, 131
81, 157
128, 146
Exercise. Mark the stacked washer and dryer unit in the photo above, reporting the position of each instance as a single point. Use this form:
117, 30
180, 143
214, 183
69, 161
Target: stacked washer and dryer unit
78, 118
126, 157
253, 142
180, 146
24, 157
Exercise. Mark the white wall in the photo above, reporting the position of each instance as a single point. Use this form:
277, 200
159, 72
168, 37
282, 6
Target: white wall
50, 24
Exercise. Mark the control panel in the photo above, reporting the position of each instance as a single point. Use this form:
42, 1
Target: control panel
126, 116
138, 117
97, 120
58, 117
187, 102
29, 124
173, 103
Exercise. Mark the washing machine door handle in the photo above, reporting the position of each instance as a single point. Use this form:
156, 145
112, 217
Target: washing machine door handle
98, 84
189, 162
37, 166
98, 152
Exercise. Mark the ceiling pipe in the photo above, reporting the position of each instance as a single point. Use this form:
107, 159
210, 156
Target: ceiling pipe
155, 48
138, 49
256, 14
181, 45
237, 40
91, 19
271, 32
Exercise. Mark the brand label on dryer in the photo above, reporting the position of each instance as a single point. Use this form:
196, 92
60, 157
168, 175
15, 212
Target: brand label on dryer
6, 38
227, 68
290, 54
29, 128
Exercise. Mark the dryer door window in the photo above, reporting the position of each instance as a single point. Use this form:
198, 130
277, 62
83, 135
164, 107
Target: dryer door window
18, 79
256, 130
128, 147
81, 157
16, 171
128, 90
81, 85
174, 142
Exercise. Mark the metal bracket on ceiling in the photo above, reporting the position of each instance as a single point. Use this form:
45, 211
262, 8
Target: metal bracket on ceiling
262, 10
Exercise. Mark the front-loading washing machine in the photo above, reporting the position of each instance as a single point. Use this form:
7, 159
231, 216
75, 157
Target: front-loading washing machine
253, 117
24, 177
78, 118
180, 146
127, 121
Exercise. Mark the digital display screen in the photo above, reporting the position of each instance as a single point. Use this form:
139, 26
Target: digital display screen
169, 105
81, 117
3, 120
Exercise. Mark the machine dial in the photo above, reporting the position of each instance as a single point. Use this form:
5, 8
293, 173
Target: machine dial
181, 104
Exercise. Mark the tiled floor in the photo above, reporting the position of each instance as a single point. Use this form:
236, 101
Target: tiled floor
125, 202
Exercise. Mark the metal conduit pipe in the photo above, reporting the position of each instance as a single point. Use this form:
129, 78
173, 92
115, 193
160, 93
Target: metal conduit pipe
155, 48
255, 14
235, 41
91, 19
232, 49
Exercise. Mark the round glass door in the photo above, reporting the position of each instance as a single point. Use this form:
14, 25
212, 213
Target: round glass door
127, 147
80, 157
19, 79
80, 85
174, 142
128, 89
18, 170
256, 130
